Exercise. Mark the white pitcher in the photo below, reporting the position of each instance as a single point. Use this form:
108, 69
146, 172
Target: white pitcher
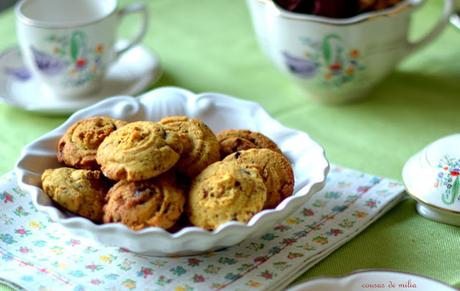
339, 60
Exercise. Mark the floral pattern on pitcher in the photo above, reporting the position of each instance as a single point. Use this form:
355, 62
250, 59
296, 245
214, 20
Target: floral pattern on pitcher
70, 55
329, 61
448, 178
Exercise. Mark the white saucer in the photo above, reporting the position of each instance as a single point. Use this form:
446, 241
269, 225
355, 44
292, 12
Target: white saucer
133, 72
438, 214
374, 280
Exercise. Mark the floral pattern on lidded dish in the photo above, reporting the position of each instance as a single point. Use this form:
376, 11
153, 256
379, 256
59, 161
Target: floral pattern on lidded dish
432, 177
448, 179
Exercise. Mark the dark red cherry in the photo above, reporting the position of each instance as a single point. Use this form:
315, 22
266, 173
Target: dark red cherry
290, 5
336, 8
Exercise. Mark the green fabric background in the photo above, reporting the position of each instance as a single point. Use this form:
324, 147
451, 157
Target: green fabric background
209, 45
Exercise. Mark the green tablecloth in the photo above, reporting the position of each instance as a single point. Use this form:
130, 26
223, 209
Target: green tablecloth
209, 45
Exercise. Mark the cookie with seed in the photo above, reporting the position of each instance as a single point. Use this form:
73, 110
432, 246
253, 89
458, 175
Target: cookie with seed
225, 191
157, 202
275, 169
200, 146
78, 146
79, 191
233, 140
138, 151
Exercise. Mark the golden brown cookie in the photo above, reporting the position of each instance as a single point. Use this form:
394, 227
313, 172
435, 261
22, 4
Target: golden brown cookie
200, 144
275, 170
155, 202
78, 146
225, 191
79, 191
233, 140
138, 151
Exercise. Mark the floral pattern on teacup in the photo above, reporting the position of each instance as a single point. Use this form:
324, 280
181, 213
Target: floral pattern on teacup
448, 177
18, 73
70, 54
328, 60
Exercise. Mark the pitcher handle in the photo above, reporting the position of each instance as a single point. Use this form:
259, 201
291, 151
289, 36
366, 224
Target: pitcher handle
448, 10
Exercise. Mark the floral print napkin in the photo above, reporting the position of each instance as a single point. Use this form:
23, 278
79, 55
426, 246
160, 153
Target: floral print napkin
38, 254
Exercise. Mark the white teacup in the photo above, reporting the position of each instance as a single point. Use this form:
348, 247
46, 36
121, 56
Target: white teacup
338, 60
69, 44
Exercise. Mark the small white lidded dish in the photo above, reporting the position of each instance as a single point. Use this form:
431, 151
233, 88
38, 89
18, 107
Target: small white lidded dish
432, 178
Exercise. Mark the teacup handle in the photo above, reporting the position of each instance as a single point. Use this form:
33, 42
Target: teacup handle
128, 9
448, 9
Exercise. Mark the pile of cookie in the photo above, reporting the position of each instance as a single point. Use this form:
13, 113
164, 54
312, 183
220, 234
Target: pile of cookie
170, 174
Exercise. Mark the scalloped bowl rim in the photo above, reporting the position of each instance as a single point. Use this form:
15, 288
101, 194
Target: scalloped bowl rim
59, 217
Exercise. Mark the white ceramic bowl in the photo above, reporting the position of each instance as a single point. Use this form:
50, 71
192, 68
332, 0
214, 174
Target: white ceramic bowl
219, 112
374, 280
